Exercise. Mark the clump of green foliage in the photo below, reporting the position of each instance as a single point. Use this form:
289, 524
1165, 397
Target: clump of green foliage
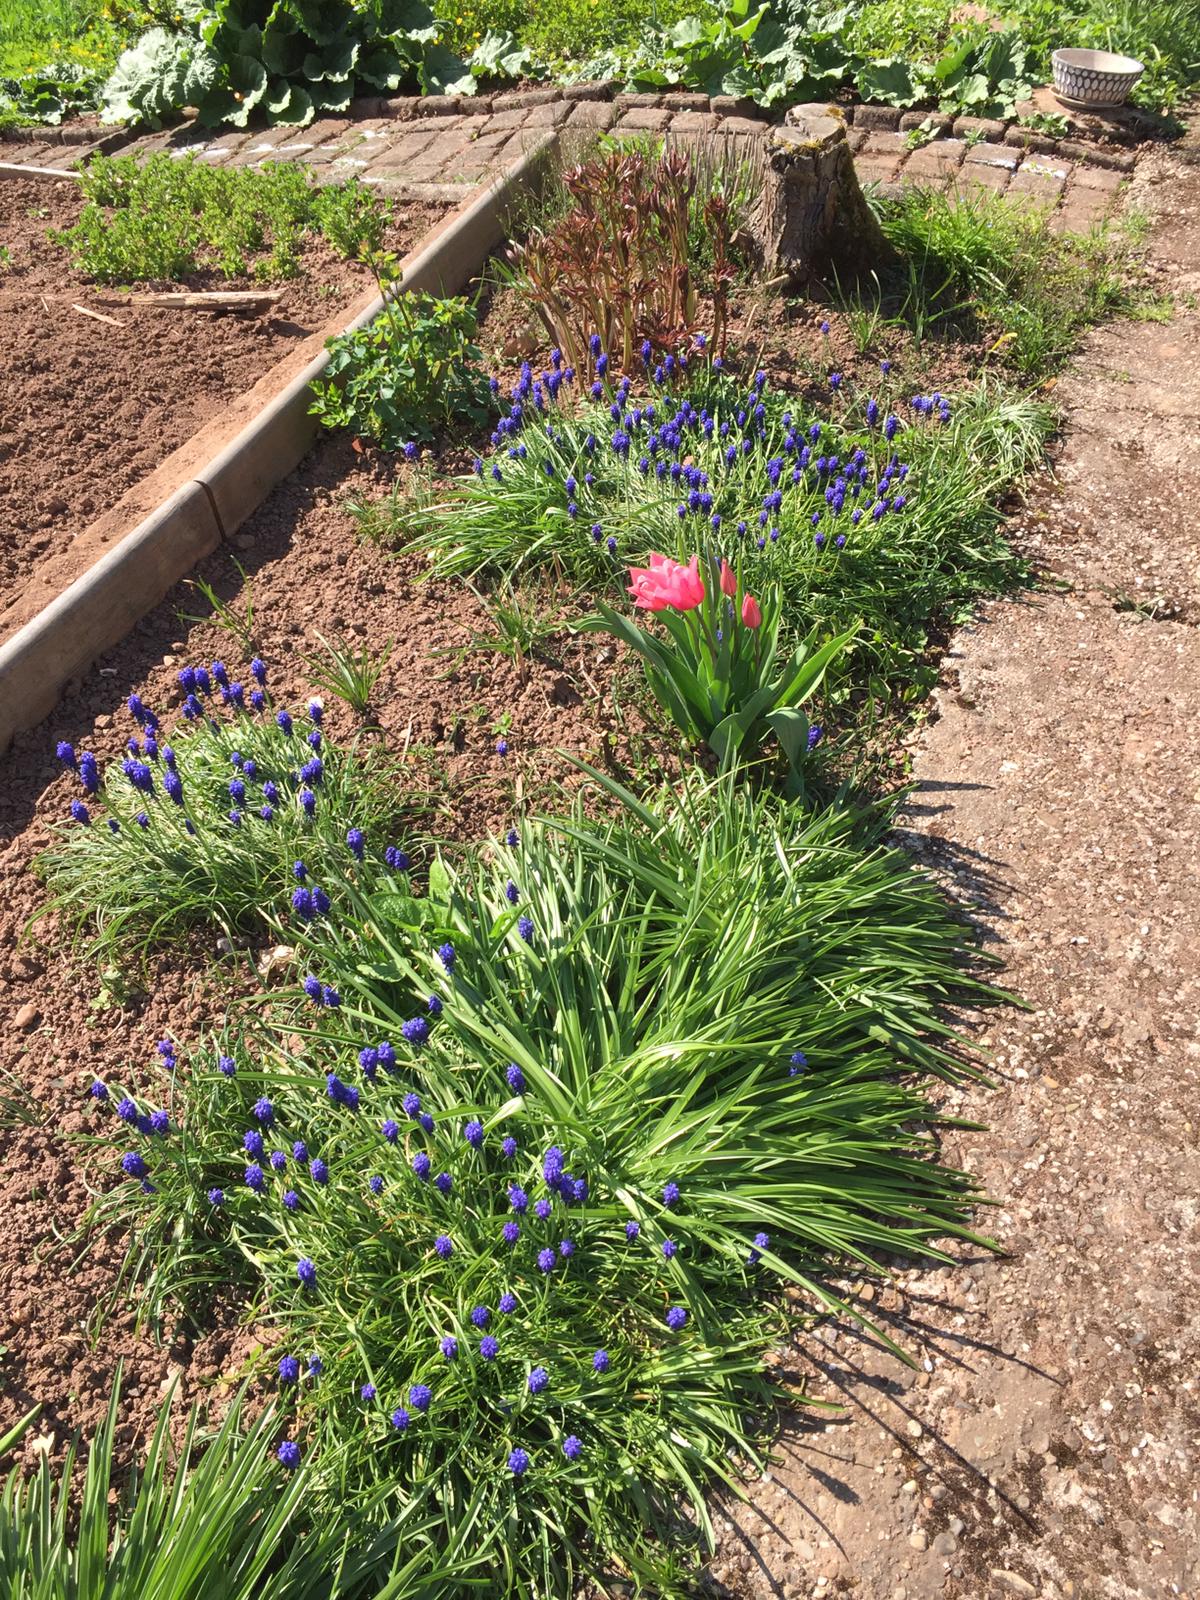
48, 93
570, 1121
56, 54
715, 667
979, 262
903, 52
286, 58
206, 1519
165, 219
203, 826
412, 370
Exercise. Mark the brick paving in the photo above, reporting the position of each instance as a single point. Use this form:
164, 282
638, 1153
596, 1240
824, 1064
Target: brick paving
409, 145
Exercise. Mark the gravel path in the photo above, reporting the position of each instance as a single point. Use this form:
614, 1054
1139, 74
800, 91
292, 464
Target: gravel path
1047, 1442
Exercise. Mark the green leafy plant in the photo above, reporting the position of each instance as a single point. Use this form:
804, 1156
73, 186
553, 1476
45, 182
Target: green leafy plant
290, 59
209, 1518
410, 371
353, 218
559, 32
19, 1106
350, 672
740, 48
1049, 122
206, 828
165, 219
48, 94
925, 133
499, 55
717, 674
673, 1012
223, 614
520, 627
985, 73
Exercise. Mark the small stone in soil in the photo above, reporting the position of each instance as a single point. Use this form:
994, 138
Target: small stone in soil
1013, 1583
27, 1017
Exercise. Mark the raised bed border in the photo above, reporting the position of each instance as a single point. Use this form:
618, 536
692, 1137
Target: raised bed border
97, 610
1105, 138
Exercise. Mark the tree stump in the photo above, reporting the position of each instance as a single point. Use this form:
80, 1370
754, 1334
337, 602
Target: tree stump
813, 214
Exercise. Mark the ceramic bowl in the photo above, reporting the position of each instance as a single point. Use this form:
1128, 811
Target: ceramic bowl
1094, 77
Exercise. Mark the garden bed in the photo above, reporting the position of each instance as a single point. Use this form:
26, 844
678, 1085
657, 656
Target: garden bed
477, 719
90, 410
308, 573
302, 562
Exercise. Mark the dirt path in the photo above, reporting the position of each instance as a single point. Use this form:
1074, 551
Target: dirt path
1048, 1442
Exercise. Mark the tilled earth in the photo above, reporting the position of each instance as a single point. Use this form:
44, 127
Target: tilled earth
88, 408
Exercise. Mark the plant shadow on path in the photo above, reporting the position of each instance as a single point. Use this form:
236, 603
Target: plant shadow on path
851, 1378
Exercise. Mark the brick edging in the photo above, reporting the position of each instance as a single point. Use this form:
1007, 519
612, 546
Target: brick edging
652, 112
1114, 149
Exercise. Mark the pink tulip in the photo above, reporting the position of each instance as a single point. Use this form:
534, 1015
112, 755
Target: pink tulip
751, 612
664, 583
728, 580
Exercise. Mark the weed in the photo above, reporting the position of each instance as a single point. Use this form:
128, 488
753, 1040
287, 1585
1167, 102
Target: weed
1048, 122
924, 133
165, 219
376, 520
19, 1106
862, 308
223, 614
520, 628
978, 260
353, 218
412, 370
349, 672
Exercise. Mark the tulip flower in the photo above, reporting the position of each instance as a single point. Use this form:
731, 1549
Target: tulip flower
728, 580
751, 611
666, 584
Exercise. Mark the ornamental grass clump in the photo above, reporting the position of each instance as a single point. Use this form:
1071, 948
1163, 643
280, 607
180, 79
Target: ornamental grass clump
516, 1173
206, 1517
207, 823
717, 673
879, 509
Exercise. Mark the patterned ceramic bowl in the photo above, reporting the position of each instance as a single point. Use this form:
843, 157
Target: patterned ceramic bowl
1094, 77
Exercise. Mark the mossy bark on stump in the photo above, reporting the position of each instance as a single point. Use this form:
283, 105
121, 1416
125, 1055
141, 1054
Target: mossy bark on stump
814, 215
